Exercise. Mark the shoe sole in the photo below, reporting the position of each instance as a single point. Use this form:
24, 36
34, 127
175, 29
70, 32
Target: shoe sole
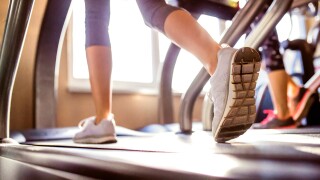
95, 140
303, 107
240, 110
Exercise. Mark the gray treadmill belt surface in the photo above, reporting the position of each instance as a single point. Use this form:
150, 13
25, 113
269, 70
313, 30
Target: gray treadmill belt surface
258, 154
254, 143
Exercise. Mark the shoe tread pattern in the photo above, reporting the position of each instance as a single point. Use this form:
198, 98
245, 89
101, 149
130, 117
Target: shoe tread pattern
244, 75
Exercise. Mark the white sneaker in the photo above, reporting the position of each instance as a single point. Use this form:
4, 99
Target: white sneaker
90, 133
232, 92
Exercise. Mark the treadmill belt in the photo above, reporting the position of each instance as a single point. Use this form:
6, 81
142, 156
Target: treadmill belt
254, 143
258, 154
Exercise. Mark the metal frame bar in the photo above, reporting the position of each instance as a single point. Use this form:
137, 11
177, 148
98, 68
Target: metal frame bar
298, 3
165, 99
53, 30
15, 31
268, 23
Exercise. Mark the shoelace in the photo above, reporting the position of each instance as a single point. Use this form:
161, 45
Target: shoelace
269, 117
83, 122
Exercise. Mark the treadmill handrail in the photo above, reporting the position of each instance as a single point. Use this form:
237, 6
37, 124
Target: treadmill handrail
46, 72
268, 23
13, 39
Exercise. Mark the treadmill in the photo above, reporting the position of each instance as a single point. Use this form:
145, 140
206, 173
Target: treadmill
183, 153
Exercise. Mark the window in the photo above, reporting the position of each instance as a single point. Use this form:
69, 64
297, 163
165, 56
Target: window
132, 50
138, 52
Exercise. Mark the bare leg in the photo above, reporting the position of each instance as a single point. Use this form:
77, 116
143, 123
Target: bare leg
278, 84
184, 30
293, 88
293, 93
100, 67
101, 127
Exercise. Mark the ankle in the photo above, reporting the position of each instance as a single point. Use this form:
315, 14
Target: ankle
293, 92
283, 116
103, 117
211, 68
212, 60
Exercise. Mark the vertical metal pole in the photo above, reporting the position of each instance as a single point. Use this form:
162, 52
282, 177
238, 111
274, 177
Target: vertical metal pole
165, 98
50, 42
268, 23
15, 30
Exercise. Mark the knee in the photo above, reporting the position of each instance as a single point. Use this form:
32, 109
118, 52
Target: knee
155, 12
271, 54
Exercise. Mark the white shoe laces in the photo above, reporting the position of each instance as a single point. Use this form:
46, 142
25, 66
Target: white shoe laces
83, 122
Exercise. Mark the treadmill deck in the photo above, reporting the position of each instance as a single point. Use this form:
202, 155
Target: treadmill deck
293, 154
